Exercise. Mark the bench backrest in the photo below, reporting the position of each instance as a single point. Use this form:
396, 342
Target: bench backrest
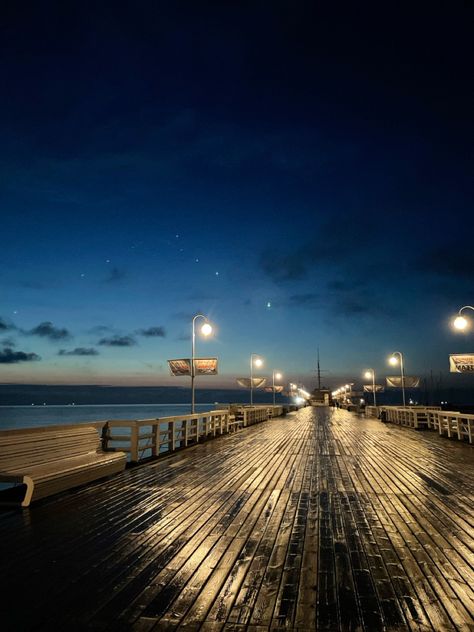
20, 449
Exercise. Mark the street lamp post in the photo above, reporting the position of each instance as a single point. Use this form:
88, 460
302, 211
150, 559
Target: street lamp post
393, 360
206, 330
460, 323
278, 376
258, 364
347, 389
370, 373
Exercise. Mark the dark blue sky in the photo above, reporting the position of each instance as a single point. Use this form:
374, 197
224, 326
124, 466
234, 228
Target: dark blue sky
300, 174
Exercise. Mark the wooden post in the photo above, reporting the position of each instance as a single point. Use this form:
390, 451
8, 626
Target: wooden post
155, 439
171, 437
105, 436
134, 443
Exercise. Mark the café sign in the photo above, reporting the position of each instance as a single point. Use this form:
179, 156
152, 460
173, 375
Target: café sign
202, 366
461, 363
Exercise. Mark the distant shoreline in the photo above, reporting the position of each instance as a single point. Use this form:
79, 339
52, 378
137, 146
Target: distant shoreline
98, 395
93, 395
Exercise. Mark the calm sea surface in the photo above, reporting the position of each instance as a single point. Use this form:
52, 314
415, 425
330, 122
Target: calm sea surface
34, 416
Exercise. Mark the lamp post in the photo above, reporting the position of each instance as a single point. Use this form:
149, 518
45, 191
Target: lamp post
278, 376
206, 330
258, 363
347, 389
393, 361
460, 323
370, 373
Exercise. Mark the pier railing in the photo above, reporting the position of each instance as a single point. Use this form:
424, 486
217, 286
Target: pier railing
143, 438
448, 423
250, 415
452, 424
399, 414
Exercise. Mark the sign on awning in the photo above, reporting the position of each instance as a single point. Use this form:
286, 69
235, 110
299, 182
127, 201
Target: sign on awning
257, 382
369, 388
180, 367
461, 363
202, 366
205, 366
410, 381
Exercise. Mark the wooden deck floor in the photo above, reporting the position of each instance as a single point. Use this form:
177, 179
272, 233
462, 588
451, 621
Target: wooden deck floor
317, 521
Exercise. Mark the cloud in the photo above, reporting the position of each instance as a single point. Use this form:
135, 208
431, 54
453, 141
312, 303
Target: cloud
281, 267
335, 244
185, 315
8, 342
115, 275
118, 341
48, 330
32, 285
309, 299
8, 356
78, 351
152, 332
6, 326
449, 261
183, 337
100, 330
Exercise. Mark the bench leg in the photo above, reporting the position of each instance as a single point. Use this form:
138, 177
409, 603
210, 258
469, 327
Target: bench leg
30, 485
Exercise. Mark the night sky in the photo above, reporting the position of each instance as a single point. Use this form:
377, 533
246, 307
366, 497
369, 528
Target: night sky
300, 172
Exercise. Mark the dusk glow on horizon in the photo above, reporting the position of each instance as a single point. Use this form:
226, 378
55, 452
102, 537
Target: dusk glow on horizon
303, 181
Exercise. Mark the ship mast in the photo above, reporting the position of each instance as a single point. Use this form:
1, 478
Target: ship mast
319, 373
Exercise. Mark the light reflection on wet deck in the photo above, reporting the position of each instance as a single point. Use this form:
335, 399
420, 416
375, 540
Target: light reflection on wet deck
319, 520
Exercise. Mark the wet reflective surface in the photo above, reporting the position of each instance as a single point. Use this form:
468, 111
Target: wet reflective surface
319, 520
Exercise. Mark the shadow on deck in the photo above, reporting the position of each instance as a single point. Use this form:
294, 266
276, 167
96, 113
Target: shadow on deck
319, 520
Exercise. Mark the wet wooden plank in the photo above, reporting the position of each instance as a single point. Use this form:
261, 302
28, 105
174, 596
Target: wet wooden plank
320, 520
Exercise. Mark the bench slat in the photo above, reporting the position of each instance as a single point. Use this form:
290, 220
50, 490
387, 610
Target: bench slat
52, 461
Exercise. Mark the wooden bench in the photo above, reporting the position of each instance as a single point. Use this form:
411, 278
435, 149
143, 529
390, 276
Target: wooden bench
51, 459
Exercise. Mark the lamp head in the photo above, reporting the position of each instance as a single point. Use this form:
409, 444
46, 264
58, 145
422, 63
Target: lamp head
278, 376
258, 362
460, 323
369, 375
206, 329
393, 360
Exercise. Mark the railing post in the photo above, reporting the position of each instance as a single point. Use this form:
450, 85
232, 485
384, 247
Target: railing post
134, 443
155, 431
171, 437
105, 436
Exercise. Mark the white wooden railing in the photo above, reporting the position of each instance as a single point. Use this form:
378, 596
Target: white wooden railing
250, 415
449, 423
452, 424
143, 438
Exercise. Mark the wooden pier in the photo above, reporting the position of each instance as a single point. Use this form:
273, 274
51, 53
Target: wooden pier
320, 520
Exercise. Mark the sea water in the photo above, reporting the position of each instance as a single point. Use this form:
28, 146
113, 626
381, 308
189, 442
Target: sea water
36, 416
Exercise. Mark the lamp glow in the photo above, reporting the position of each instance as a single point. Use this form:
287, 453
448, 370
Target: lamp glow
395, 358
460, 323
206, 329
370, 375
255, 360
